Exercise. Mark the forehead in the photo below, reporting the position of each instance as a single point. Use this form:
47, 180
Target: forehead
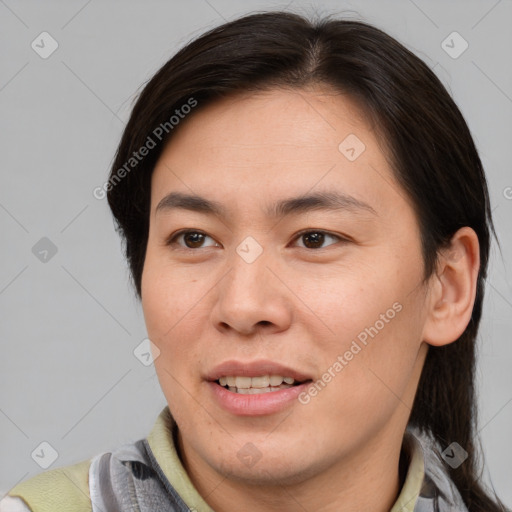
276, 141
300, 118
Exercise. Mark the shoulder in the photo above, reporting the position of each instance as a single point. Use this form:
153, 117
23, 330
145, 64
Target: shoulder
129, 473
438, 490
62, 489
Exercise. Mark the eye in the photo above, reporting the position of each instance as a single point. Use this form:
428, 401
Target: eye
191, 239
314, 239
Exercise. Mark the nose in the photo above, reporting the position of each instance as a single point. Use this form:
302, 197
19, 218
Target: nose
252, 298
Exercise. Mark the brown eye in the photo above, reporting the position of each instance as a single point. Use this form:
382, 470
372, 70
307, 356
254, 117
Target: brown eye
191, 240
316, 239
313, 240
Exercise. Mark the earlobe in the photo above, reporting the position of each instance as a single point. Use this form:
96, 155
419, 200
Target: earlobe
453, 289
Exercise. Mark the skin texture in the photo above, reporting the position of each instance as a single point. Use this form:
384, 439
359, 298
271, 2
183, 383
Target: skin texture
299, 306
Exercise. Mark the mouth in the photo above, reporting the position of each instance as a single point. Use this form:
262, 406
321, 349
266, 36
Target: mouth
255, 388
258, 385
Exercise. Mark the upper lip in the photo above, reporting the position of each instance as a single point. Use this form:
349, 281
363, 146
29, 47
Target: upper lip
254, 369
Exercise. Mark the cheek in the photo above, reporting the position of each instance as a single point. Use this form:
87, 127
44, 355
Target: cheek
350, 301
169, 297
172, 307
374, 325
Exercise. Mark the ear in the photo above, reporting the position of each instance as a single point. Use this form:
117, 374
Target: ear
452, 289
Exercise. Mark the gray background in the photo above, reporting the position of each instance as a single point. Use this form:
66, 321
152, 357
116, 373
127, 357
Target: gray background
69, 325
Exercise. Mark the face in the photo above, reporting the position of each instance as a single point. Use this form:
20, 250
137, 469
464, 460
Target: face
298, 258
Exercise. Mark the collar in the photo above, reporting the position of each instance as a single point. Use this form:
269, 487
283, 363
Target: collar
427, 486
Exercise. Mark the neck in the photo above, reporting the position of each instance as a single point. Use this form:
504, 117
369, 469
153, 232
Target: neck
369, 479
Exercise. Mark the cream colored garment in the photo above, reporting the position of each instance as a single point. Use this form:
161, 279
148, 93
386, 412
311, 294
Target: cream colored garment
49, 487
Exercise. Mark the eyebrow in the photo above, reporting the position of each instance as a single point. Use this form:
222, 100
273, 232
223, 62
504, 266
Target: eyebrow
295, 205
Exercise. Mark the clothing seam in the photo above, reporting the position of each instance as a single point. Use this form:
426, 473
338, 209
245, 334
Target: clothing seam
169, 488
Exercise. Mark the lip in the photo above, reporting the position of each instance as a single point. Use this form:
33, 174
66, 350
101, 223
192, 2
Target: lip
255, 369
255, 405
261, 404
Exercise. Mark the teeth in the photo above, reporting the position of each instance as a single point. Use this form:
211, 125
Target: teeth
260, 382
276, 380
263, 381
256, 385
243, 382
255, 391
259, 391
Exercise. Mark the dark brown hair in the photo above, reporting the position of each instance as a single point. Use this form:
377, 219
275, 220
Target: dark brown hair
429, 144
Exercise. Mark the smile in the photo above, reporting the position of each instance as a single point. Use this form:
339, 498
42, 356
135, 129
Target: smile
256, 385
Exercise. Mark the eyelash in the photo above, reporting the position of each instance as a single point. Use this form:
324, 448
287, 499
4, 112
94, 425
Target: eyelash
172, 239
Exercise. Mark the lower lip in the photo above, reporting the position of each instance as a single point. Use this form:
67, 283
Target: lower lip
256, 405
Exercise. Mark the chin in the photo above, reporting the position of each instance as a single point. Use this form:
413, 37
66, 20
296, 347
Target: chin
274, 471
